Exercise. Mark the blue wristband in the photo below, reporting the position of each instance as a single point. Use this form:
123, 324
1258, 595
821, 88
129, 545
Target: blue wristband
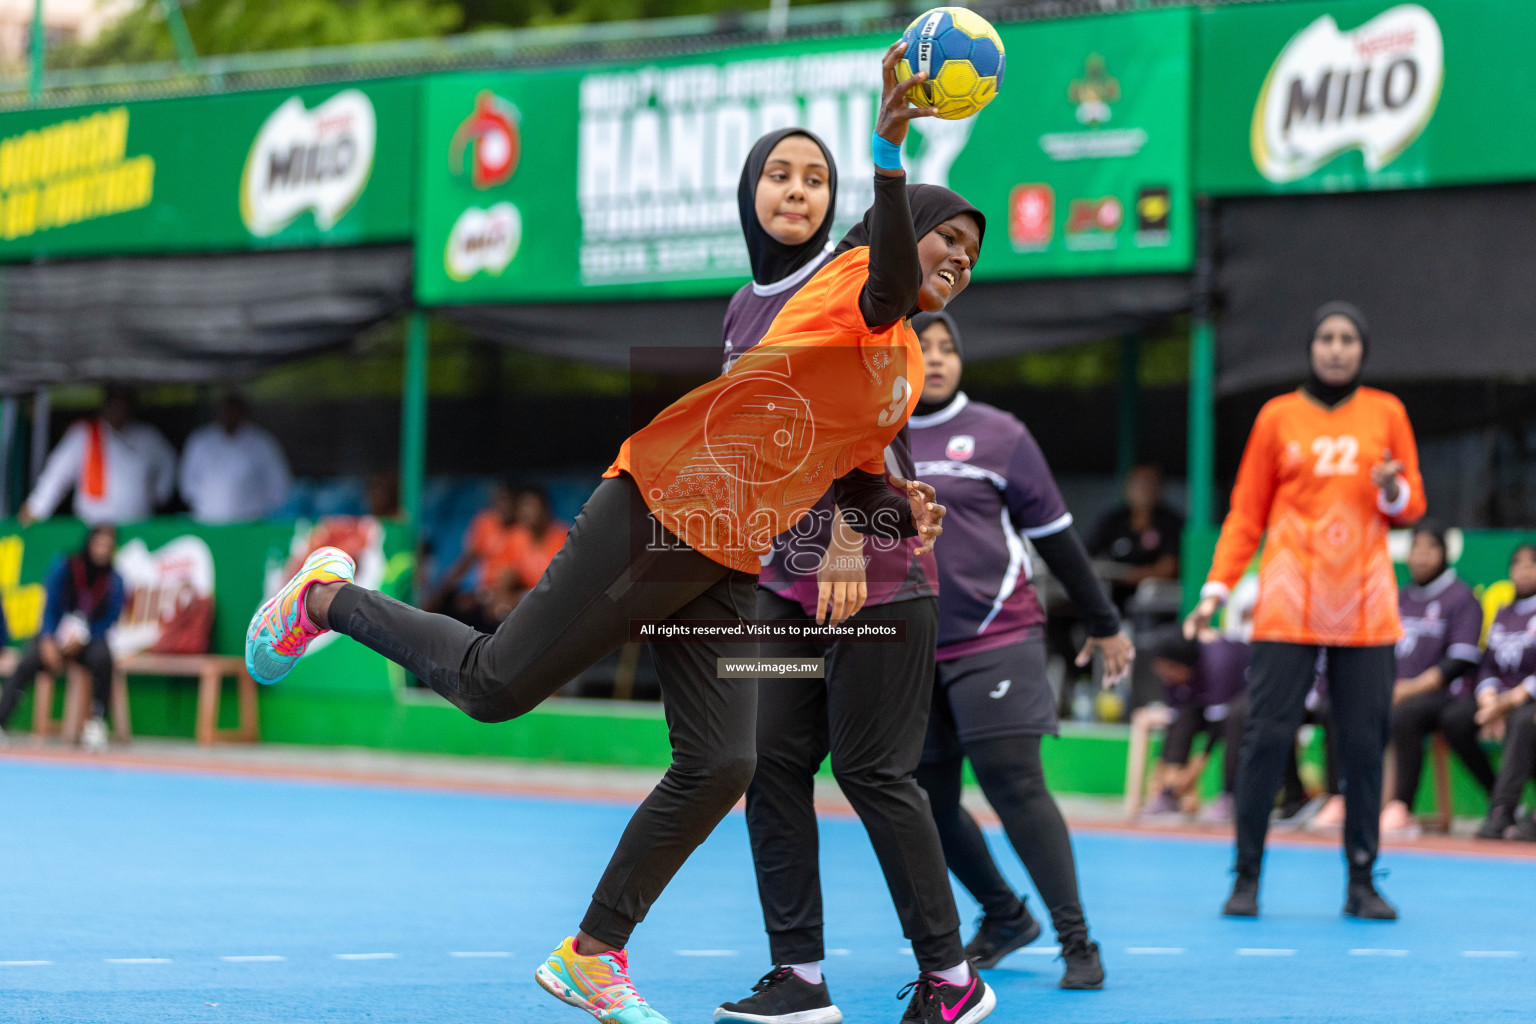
887, 154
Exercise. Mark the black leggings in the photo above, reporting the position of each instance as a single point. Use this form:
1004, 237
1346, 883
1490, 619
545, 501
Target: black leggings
608, 574
1360, 701
1420, 717
869, 715
95, 657
1519, 760
1189, 721
1013, 781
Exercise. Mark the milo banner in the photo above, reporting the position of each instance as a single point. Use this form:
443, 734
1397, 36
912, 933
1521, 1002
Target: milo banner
191, 589
319, 166
1365, 94
621, 181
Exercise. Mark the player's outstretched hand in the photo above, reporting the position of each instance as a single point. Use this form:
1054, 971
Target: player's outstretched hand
1201, 617
841, 588
1118, 653
926, 511
1385, 475
896, 107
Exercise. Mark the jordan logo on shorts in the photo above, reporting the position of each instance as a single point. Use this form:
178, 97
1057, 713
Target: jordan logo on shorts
1002, 688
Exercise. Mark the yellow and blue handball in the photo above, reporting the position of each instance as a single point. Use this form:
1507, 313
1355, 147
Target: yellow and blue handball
963, 56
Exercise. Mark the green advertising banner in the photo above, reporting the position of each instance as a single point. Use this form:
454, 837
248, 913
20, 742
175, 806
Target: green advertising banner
620, 182
324, 166
1365, 94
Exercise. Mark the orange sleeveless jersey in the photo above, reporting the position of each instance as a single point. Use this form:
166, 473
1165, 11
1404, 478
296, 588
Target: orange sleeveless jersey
1305, 486
736, 462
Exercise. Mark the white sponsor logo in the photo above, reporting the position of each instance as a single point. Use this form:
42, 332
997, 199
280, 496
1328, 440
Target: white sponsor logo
483, 240
1002, 689
308, 160
1372, 89
660, 153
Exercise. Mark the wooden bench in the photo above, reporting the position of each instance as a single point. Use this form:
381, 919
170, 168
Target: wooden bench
77, 705
210, 671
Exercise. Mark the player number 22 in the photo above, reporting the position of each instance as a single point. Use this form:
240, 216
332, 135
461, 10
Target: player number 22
1336, 455
900, 392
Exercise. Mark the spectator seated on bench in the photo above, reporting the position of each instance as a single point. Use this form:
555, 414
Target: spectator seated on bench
1506, 699
1204, 681
1436, 658
85, 597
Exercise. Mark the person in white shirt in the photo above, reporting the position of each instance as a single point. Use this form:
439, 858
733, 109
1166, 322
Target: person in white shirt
233, 471
120, 469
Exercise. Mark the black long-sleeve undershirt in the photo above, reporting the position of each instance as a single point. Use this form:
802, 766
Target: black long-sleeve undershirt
877, 510
895, 275
1068, 560
1452, 669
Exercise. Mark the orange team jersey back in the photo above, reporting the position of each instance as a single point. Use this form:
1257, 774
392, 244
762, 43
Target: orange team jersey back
736, 462
1305, 486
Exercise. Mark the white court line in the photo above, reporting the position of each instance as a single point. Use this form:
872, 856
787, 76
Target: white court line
1040, 950
1156, 950
838, 952
266, 958
365, 956
1266, 952
138, 959
477, 955
705, 952
1491, 954
1378, 952
25, 963
904, 951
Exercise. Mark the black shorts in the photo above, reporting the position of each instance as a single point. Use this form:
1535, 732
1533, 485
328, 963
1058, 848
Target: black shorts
1001, 692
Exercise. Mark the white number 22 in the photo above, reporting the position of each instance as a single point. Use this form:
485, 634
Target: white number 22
1336, 455
901, 390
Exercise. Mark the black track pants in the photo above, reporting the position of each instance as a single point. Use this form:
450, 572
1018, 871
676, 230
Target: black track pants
1360, 697
869, 714
604, 577
1417, 719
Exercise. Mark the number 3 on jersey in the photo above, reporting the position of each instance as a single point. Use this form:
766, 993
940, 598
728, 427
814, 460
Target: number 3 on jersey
901, 390
1336, 455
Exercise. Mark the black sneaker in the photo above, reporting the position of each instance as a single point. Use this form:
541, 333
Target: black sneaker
1499, 821
936, 1001
1525, 829
1244, 901
783, 997
1084, 969
1363, 901
995, 938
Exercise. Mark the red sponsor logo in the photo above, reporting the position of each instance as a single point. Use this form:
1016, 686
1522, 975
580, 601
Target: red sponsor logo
1031, 215
1095, 215
488, 141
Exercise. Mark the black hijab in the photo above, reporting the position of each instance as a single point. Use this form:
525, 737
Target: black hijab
921, 323
1333, 394
931, 206
772, 260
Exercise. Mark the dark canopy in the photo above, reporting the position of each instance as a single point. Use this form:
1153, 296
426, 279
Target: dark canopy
1446, 276
1000, 318
190, 318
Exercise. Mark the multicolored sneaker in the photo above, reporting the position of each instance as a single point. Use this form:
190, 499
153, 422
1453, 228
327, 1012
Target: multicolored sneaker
280, 629
598, 984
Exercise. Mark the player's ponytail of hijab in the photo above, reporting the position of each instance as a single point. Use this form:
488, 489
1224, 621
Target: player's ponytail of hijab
772, 260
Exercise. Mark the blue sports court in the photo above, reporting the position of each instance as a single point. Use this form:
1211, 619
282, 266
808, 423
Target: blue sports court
135, 895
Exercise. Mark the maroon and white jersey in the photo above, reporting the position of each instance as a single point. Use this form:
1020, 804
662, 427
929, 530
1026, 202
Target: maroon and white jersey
1510, 659
1441, 619
892, 573
991, 476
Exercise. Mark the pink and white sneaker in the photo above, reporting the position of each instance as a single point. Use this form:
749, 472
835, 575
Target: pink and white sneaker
281, 630
936, 1001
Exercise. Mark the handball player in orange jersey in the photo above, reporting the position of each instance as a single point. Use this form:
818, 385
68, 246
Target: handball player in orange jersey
1328, 469
675, 532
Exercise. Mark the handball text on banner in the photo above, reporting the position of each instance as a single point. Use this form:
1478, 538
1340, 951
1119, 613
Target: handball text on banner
768, 631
